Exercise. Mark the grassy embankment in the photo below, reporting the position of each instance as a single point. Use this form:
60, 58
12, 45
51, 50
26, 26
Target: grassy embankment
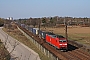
20, 37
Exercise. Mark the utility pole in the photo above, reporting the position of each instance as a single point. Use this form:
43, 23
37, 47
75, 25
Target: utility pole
39, 27
57, 18
66, 35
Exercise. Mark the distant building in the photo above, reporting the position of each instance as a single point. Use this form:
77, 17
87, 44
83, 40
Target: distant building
10, 18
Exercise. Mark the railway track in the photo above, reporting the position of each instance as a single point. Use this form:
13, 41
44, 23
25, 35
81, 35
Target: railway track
77, 54
83, 54
73, 53
70, 56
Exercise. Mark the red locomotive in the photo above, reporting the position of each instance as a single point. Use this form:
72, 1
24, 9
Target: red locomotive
57, 41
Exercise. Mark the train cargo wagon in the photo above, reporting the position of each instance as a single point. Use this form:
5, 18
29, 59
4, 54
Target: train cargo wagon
23, 25
43, 34
35, 31
30, 29
26, 27
40, 33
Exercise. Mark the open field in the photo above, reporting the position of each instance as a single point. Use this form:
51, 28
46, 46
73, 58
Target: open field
76, 33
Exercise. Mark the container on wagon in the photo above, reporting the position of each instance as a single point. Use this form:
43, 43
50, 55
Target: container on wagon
30, 29
35, 31
27, 27
23, 25
40, 33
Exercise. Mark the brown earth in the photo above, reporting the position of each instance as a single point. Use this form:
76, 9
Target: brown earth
71, 29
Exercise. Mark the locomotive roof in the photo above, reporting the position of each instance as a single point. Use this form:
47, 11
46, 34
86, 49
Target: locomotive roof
49, 33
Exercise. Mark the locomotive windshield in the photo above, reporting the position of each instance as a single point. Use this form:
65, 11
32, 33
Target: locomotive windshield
59, 36
62, 41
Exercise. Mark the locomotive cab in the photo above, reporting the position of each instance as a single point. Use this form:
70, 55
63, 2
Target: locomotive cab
62, 42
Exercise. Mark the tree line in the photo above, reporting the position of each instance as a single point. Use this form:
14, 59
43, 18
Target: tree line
55, 21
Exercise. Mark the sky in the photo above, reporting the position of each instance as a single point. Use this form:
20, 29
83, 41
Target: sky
44, 8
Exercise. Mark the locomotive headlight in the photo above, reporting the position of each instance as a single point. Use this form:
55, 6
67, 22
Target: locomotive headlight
60, 44
65, 44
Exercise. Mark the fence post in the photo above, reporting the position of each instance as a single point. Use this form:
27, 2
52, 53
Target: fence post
48, 53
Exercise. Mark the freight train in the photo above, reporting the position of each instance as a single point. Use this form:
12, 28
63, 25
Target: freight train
57, 41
